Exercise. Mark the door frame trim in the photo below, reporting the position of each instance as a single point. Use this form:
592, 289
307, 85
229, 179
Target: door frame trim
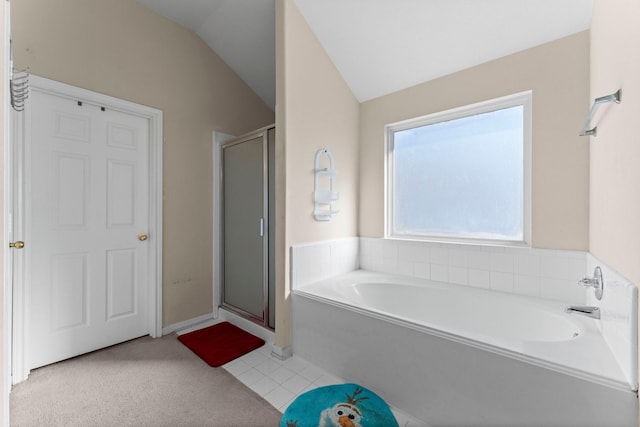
155, 117
7, 310
218, 139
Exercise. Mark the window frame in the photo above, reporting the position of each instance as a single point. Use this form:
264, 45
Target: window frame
524, 99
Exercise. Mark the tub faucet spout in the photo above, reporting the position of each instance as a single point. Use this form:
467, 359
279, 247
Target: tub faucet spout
593, 312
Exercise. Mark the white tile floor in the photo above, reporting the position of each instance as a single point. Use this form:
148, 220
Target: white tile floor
279, 382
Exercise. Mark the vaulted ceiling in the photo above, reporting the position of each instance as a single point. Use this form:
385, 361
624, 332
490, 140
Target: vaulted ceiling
379, 46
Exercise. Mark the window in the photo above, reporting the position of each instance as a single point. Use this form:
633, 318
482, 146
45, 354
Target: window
462, 174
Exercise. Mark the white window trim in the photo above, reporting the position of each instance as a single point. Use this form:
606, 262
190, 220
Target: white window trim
522, 98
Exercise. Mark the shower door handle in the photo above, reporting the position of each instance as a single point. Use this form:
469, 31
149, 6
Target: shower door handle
261, 227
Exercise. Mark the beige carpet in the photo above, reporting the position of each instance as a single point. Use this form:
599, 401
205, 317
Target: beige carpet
145, 382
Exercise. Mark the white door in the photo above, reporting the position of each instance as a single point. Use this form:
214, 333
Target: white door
86, 220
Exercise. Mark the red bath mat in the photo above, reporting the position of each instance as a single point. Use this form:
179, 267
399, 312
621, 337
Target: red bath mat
220, 343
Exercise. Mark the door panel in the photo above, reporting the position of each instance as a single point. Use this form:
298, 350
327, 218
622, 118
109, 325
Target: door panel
87, 198
71, 203
244, 226
121, 206
121, 283
69, 284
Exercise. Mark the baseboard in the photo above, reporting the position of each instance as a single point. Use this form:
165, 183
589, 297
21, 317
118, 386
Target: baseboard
249, 326
191, 323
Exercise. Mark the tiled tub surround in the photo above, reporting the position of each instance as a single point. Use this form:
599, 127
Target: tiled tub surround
321, 260
618, 319
549, 274
543, 273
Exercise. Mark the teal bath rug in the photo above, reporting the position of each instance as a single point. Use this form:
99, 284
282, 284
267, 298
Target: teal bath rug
341, 405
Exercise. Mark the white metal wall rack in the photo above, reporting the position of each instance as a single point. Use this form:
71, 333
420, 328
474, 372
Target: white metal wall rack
324, 192
19, 88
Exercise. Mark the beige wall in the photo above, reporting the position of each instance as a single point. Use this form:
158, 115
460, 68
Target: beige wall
321, 112
123, 49
558, 75
615, 152
318, 111
283, 309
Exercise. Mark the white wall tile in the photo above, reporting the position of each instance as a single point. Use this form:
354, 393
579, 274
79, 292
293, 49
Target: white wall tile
517, 250
458, 275
439, 273
502, 282
458, 257
555, 289
413, 252
555, 267
576, 294
377, 248
527, 265
405, 268
573, 254
321, 260
322, 252
619, 312
577, 268
479, 260
422, 270
480, 278
493, 249
365, 247
389, 266
502, 262
526, 285
390, 250
439, 256
561, 266
543, 252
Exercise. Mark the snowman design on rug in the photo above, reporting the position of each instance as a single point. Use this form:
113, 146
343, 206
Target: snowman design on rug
343, 414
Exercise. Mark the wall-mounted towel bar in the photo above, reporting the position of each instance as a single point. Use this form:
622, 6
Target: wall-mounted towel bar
615, 97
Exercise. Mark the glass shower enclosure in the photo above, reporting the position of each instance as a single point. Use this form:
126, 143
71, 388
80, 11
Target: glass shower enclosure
247, 226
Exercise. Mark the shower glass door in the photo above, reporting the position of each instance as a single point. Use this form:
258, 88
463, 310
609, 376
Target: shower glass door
245, 223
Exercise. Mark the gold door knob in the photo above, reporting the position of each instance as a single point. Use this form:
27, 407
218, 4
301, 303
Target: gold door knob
18, 245
142, 237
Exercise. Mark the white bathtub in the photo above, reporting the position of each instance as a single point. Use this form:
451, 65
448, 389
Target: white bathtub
454, 355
